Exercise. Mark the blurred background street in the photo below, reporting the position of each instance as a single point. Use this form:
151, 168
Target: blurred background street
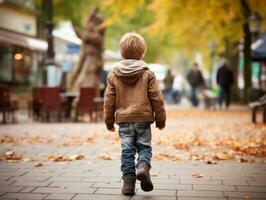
209, 58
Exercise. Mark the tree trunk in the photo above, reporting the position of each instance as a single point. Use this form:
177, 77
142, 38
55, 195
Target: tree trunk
232, 55
247, 48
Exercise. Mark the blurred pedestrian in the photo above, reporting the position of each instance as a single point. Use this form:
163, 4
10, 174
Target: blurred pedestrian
168, 82
196, 81
225, 80
103, 82
177, 88
134, 101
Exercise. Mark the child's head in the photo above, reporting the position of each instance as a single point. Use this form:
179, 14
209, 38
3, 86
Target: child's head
132, 46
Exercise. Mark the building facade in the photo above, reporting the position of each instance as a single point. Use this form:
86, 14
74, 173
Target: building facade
21, 52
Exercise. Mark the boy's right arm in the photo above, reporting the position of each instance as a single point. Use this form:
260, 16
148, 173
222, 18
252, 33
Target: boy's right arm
109, 104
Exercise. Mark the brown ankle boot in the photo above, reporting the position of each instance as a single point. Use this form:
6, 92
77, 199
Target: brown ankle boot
143, 175
129, 186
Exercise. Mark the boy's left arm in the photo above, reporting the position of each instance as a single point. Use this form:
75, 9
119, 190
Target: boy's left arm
157, 102
109, 104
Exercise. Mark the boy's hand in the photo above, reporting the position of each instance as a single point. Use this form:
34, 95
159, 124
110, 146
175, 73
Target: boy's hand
110, 127
160, 128
160, 125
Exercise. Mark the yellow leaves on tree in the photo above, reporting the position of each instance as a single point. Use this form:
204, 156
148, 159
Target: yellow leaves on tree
119, 8
196, 23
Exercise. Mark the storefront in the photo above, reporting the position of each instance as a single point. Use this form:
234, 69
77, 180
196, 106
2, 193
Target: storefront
21, 53
259, 62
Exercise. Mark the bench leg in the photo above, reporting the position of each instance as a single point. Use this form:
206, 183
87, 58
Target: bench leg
264, 114
254, 110
77, 115
4, 116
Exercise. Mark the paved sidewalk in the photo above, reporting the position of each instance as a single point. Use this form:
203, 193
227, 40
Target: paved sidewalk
100, 180
189, 140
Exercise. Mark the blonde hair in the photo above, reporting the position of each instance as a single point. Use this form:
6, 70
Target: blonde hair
132, 46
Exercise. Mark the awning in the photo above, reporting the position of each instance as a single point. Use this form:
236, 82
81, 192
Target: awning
12, 38
259, 49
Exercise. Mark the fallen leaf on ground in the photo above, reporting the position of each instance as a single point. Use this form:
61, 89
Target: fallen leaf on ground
76, 157
10, 155
246, 160
62, 158
210, 162
197, 175
38, 165
105, 156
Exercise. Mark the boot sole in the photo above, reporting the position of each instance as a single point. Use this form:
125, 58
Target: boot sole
129, 194
145, 184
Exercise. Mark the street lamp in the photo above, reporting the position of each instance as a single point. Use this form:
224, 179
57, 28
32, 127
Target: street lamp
50, 71
255, 21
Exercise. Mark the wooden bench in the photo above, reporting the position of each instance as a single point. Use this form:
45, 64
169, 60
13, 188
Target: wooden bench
256, 105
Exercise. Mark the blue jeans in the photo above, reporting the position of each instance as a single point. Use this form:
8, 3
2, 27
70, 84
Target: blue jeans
135, 137
224, 97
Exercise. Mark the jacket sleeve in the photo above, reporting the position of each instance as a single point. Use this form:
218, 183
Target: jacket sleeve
157, 101
109, 103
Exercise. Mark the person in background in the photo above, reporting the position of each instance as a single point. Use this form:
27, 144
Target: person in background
177, 88
196, 81
103, 82
225, 80
168, 82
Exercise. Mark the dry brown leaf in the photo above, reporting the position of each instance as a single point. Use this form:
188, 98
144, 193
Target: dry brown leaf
62, 158
245, 160
197, 175
39, 165
76, 157
105, 156
10, 155
211, 162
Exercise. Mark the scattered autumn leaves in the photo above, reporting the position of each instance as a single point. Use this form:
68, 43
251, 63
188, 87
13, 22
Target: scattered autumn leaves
192, 135
230, 137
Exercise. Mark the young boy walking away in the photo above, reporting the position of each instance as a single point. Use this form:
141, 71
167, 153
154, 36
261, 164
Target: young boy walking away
133, 101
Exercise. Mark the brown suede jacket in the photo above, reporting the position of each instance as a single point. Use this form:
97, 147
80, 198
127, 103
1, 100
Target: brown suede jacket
133, 95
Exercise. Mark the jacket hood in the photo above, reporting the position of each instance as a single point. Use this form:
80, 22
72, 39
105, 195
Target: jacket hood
129, 70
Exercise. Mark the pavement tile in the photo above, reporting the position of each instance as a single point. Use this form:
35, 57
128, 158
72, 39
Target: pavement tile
236, 178
108, 191
60, 196
31, 183
251, 189
99, 197
64, 190
70, 184
257, 183
147, 197
165, 180
30, 178
28, 189
66, 179
23, 196
157, 193
10, 189
201, 182
101, 179
172, 187
235, 182
214, 187
200, 198
194, 193
245, 195
108, 185
5, 183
